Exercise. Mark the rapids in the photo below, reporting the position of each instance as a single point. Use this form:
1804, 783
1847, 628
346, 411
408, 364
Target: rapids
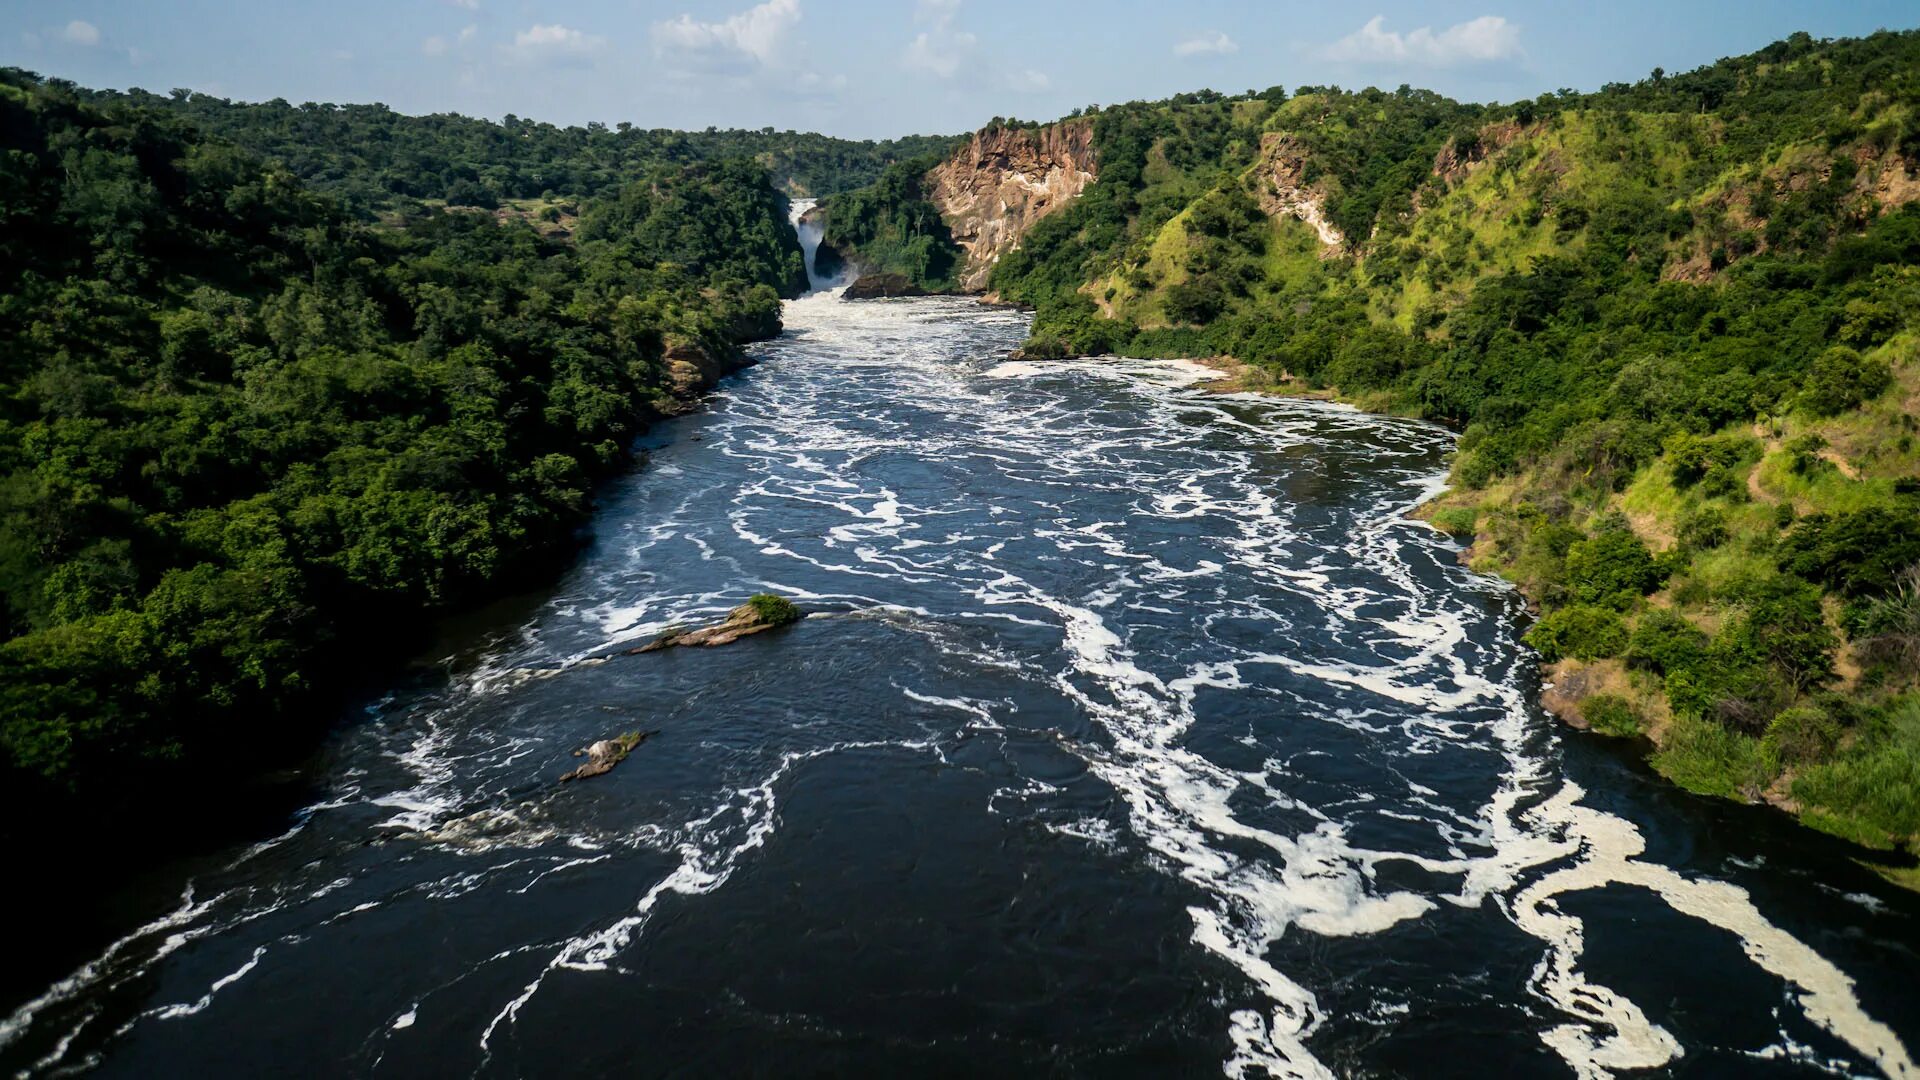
1134, 730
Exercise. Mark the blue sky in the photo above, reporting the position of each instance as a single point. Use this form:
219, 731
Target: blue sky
871, 68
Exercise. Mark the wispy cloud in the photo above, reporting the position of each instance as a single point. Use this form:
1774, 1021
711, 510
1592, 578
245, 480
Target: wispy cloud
439, 46
80, 32
1483, 40
943, 48
758, 34
1215, 42
554, 43
1028, 81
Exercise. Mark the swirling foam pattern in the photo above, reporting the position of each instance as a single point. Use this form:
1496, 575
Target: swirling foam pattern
1134, 730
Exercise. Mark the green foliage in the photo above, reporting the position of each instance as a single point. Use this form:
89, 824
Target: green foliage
777, 610
1800, 736
1703, 527
1455, 520
371, 158
1707, 758
722, 223
1664, 641
1877, 780
890, 227
1611, 714
247, 442
1611, 568
1841, 378
1580, 631
1854, 554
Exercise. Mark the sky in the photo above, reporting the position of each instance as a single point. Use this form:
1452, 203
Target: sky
876, 68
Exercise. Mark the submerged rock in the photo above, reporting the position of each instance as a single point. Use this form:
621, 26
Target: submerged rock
762, 611
605, 754
880, 287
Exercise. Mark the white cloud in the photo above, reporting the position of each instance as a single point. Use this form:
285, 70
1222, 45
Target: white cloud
554, 42
1216, 43
1028, 81
1480, 40
438, 46
938, 12
470, 5
942, 50
80, 32
758, 33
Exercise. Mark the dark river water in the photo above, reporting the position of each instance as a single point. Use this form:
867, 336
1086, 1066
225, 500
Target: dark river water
1133, 731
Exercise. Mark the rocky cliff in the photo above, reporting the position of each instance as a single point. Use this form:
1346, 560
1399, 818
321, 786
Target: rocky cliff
1285, 192
993, 189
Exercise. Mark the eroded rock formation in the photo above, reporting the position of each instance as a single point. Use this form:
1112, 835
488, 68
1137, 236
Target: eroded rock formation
991, 191
1284, 190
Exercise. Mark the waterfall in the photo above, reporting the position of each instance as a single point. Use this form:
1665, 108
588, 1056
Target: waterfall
810, 234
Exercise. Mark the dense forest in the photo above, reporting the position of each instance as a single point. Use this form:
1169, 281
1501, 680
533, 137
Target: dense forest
892, 229
1676, 322
370, 158
249, 440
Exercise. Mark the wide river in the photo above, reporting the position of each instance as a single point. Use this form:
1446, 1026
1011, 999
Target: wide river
1133, 730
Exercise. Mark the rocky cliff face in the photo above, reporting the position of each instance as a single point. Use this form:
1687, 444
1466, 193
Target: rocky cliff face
1284, 191
991, 191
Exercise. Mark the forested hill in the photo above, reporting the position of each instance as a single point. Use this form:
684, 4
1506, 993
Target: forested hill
249, 442
372, 158
1676, 321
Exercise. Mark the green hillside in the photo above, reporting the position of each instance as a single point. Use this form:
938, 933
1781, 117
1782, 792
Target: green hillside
1676, 322
250, 444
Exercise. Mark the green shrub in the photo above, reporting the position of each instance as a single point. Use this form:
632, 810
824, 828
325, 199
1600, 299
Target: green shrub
1876, 782
1455, 520
1664, 641
1841, 378
1611, 714
1799, 736
1705, 757
1612, 567
1854, 554
1581, 631
1703, 528
777, 610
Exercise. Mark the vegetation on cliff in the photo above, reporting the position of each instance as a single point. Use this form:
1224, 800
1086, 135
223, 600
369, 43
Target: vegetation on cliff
892, 228
1676, 323
247, 441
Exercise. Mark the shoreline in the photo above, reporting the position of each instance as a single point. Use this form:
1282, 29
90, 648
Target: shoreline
1565, 684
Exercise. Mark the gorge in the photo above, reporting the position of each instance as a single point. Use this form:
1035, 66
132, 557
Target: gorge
1297, 583
1132, 728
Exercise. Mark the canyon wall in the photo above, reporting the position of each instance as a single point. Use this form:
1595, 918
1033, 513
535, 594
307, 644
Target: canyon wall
993, 189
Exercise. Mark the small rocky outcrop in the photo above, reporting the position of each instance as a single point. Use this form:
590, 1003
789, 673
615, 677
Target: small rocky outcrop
1455, 161
691, 371
881, 287
605, 754
763, 611
991, 191
1284, 192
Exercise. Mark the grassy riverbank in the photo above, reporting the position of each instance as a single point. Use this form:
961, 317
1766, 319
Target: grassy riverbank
1675, 323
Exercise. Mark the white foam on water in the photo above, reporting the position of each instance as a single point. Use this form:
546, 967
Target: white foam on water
1264, 861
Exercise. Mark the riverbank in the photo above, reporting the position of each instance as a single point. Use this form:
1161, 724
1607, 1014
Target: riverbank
1855, 777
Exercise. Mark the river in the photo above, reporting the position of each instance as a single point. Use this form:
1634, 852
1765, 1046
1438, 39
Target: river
1133, 730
